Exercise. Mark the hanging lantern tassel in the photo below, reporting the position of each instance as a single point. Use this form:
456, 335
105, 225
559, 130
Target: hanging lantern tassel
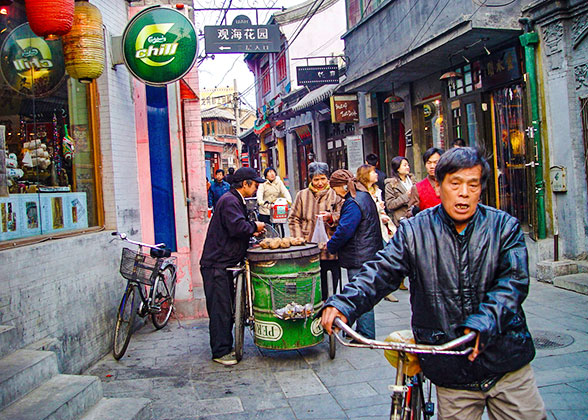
50, 19
83, 46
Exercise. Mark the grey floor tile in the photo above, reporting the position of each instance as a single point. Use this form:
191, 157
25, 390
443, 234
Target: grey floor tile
316, 407
298, 383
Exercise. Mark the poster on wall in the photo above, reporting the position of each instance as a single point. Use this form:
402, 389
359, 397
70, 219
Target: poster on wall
354, 152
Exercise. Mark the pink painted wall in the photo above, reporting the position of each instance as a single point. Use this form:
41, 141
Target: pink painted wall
143, 167
196, 192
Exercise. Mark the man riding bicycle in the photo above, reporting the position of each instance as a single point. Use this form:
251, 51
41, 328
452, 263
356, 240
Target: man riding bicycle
468, 271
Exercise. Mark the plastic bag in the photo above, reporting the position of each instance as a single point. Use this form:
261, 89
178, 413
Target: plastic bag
320, 233
411, 363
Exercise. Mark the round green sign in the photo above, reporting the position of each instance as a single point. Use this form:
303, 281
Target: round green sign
159, 45
31, 65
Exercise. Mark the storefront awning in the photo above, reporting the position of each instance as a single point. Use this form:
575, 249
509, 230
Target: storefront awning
312, 98
427, 59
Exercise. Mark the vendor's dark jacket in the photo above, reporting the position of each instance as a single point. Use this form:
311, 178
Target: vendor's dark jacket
478, 279
359, 243
228, 233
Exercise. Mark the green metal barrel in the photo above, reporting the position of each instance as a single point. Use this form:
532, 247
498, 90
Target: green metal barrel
286, 295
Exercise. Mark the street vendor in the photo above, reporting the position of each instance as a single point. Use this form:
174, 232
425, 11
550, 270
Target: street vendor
225, 246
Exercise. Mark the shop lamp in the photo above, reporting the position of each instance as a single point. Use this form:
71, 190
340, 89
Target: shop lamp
50, 19
83, 46
393, 98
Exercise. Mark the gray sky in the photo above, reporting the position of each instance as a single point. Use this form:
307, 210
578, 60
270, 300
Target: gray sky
221, 71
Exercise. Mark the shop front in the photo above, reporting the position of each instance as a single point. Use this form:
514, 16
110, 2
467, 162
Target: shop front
487, 107
68, 173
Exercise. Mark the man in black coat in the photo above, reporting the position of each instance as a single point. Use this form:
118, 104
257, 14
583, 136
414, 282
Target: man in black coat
468, 271
225, 246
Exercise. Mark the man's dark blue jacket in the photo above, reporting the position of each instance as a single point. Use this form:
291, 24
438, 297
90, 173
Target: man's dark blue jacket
358, 236
217, 190
228, 234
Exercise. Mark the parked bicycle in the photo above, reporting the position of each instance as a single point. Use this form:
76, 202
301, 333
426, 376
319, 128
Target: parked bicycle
151, 277
408, 399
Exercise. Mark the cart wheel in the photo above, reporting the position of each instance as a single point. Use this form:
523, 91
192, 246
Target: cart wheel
332, 339
239, 316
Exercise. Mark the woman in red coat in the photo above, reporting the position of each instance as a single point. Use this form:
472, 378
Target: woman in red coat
425, 191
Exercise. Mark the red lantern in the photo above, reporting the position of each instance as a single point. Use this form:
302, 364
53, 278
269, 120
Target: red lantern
50, 18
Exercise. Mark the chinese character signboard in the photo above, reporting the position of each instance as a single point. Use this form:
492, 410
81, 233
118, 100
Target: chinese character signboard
241, 37
317, 75
31, 65
500, 68
159, 45
344, 109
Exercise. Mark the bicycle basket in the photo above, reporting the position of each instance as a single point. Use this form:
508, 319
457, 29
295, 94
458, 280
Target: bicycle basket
138, 267
292, 297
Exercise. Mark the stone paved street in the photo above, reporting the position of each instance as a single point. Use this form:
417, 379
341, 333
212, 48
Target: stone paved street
172, 367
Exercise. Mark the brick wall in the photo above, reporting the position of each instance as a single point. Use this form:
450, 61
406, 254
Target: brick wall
66, 291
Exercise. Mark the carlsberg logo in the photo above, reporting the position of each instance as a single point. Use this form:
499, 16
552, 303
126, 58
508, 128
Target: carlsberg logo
155, 36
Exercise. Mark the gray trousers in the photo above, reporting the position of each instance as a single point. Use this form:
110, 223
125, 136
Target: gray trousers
514, 397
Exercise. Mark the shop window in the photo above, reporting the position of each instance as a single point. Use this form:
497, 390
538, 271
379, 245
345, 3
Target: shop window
432, 123
49, 180
281, 71
456, 122
353, 12
512, 154
470, 80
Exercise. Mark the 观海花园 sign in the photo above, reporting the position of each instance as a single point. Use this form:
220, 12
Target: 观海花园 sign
159, 45
31, 65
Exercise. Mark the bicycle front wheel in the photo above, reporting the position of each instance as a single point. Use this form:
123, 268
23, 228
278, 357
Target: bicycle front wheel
239, 316
124, 323
163, 297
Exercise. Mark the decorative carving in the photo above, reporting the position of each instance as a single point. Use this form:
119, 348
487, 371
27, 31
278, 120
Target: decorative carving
552, 36
581, 74
579, 29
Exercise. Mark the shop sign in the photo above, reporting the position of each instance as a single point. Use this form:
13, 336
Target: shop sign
31, 65
408, 137
500, 68
344, 109
159, 45
317, 75
242, 37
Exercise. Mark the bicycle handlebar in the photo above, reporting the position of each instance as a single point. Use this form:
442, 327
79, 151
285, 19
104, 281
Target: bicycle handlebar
123, 236
446, 348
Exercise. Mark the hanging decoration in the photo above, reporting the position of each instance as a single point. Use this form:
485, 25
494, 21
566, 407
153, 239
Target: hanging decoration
68, 145
50, 19
261, 124
83, 46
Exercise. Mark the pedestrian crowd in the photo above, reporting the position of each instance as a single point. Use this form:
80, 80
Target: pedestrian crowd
465, 265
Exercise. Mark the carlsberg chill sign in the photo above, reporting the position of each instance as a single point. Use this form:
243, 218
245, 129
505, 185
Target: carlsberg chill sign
159, 45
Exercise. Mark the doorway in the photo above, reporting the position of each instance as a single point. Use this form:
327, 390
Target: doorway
513, 151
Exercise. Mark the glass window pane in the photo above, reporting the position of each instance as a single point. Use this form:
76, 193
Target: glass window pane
50, 183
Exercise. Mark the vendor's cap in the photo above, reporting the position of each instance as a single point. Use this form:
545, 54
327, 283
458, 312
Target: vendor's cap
246, 173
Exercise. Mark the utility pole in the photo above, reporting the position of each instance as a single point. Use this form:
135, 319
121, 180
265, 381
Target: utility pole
237, 119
